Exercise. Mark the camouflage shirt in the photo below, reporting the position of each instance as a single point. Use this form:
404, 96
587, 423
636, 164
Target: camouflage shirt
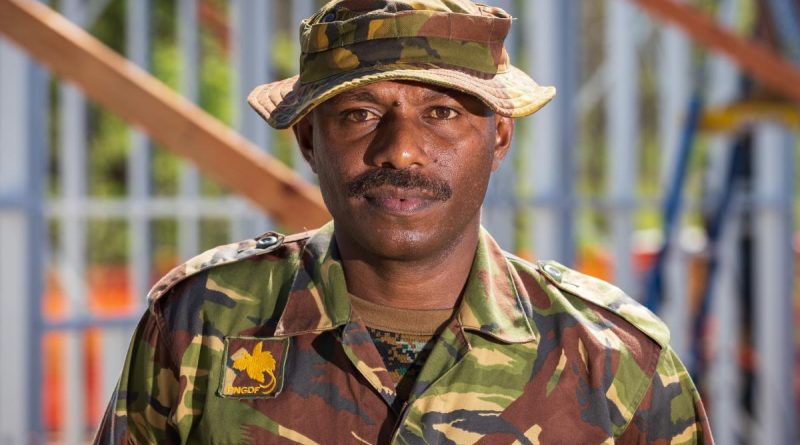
254, 343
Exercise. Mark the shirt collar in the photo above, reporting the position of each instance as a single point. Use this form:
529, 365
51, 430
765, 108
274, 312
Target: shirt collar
491, 303
318, 299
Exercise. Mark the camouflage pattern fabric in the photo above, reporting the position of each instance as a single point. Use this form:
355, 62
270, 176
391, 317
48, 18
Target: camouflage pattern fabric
343, 39
403, 356
260, 347
452, 43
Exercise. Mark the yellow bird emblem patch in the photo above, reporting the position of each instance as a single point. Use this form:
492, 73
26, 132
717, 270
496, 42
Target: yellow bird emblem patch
259, 365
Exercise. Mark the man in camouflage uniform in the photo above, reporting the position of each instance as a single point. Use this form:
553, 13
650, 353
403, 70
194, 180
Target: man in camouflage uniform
402, 321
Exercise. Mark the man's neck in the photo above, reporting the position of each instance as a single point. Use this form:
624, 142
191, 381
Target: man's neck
433, 282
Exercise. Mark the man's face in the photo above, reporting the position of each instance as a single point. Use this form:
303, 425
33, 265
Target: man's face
403, 167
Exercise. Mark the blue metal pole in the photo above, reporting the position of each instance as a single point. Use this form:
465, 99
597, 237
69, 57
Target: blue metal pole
498, 207
37, 234
622, 138
553, 60
189, 46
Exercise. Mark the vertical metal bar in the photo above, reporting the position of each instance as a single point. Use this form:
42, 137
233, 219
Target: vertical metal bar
622, 137
240, 50
774, 266
727, 379
301, 9
724, 387
188, 41
498, 206
22, 88
73, 257
138, 51
252, 60
553, 61
674, 79
139, 263
252, 57
38, 122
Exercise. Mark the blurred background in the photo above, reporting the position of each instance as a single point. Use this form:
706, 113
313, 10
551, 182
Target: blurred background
666, 164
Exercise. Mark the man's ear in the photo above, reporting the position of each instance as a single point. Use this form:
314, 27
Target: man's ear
504, 133
304, 134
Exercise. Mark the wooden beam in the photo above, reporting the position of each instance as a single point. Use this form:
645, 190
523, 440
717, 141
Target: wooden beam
753, 58
180, 126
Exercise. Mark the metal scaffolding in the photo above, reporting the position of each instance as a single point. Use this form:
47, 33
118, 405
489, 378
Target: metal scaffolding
553, 60
725, 389
549, 47
22, 242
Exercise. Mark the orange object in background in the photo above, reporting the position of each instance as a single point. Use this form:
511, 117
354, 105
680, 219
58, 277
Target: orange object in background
594, 260
109, 296
53, 390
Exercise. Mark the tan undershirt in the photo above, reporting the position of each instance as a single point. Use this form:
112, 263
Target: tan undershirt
404, 337
402, 321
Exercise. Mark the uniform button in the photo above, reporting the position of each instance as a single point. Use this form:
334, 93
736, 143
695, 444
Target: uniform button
266, 242
551, 270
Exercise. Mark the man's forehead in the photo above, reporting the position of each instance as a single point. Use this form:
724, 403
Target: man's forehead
388, 90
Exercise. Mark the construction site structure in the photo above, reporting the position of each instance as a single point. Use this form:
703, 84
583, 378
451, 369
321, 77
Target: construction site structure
729, 295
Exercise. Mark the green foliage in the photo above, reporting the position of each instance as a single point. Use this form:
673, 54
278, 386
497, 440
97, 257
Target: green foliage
110, 136
54, 130
110, 26
213, 232
285, 55
215, 78
215, 92
165, 168
165, 242
107, 241
165, 66
109, 143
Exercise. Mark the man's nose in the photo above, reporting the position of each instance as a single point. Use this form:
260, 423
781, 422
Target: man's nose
400, 144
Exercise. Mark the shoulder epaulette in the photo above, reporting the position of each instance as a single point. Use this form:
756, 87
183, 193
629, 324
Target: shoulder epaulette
217, 256
603, 294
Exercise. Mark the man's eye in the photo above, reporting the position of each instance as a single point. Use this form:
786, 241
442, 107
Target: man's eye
443, 113
359, 115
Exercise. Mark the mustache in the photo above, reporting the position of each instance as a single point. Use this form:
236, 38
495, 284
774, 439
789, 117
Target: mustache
403, 179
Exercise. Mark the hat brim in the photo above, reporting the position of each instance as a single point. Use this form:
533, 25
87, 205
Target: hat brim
511, 93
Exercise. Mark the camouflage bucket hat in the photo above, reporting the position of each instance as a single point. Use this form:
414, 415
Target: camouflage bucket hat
451, 43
